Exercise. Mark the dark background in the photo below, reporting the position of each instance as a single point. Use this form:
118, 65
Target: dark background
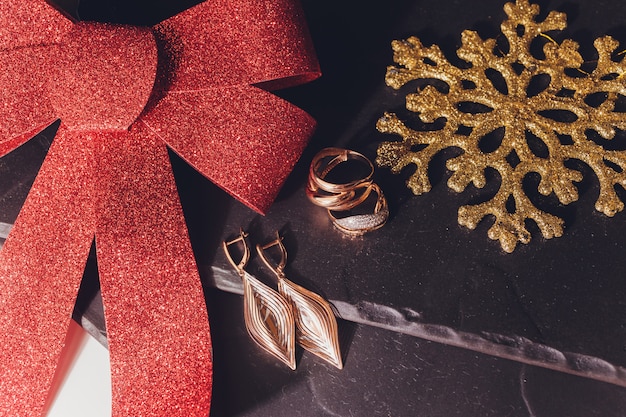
558, 303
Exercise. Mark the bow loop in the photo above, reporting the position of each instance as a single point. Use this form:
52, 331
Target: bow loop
29, 30
238, 42
30, 23
24, 107
233, 144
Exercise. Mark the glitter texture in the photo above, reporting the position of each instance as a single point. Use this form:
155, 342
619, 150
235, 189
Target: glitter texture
41, 265
111, 94
266, 41
527, 131
165, 354
235, 147
30, 23
104, 181
26, 109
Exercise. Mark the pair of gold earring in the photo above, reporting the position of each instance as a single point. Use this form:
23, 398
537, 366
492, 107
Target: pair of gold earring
276, 320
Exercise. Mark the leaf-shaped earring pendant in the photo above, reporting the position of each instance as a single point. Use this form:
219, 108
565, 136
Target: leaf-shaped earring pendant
268, 315
316, 325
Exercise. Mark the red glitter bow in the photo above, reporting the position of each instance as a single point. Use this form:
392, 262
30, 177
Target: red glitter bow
197, 83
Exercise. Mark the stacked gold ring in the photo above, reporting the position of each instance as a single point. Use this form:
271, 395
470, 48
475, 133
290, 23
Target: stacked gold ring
337, 197
320, 168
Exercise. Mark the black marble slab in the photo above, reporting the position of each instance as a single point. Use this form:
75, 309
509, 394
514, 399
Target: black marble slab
388, 373
558, 304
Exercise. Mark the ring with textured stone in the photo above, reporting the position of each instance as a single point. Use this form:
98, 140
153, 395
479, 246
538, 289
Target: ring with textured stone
358, 224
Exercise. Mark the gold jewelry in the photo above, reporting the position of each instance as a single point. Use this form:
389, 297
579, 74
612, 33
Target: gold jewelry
316, 326
359, 224
321, 166
342, 201
337, 197
268, 316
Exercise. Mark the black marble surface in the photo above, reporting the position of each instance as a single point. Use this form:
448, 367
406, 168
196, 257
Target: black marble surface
388, 373
439, 320
566, 295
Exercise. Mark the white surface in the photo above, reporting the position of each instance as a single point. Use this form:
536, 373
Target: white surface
85, 384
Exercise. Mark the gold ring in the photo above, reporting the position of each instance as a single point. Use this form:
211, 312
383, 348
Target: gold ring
322, 165
359, 224
336, 197
340, 201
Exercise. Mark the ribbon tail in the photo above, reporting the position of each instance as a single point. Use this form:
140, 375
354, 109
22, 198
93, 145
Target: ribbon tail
244, 139
41, 266
155, 311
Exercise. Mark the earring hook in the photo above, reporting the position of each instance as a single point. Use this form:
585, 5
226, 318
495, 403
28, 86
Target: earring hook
280, 266
246, 252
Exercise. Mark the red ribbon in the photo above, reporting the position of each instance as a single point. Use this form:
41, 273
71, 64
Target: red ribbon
196, 83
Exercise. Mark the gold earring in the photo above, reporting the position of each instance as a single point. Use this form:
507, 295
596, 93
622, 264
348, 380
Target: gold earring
268, 315
316, 326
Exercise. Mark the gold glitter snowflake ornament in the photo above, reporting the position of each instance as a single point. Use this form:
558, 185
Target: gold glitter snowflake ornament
541, 110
